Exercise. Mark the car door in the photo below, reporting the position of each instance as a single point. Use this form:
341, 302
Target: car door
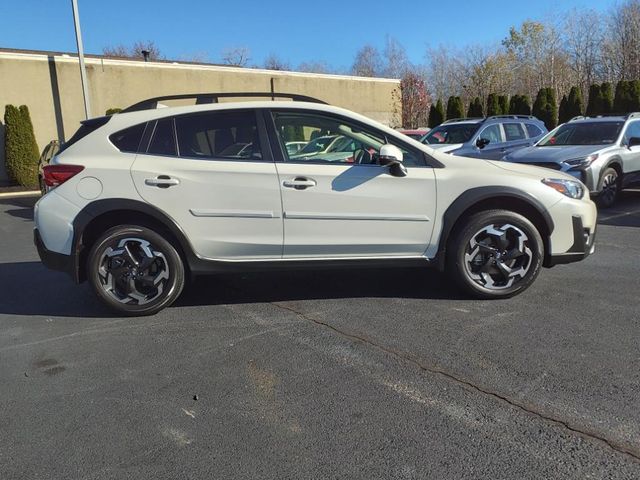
515, 137
347, 206
495, 148
213, 173
631, 155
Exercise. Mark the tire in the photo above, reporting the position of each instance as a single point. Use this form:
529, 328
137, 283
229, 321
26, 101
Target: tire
495, 254
610, 185
135, 271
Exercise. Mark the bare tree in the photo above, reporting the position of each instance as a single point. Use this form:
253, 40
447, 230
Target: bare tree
583, 38
537, 55
445, 71
315, 67
395, 59
273, 62
195, 57
134, 51
368, 62
236, 56
622, 45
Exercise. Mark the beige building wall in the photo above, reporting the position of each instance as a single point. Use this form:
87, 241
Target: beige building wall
49, 84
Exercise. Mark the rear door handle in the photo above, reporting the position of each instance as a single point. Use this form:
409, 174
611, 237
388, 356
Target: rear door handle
161, 181
299, 183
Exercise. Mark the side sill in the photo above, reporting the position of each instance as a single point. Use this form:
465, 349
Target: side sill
205, 267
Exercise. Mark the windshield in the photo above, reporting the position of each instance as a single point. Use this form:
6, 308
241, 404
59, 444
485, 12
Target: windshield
585, 133
317, 145
454, 133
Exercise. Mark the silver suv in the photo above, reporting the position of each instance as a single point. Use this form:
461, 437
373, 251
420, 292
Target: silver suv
489, 138
603, 152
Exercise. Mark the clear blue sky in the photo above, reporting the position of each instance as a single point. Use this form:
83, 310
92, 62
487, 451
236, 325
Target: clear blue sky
297, 31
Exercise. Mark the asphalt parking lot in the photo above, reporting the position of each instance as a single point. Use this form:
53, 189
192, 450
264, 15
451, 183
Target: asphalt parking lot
358, 374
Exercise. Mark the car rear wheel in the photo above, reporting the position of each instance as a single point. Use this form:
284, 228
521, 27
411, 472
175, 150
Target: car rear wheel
609, 188
495, 254
135, 271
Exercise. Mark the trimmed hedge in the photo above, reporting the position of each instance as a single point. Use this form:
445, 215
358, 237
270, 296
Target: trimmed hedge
575, 107
563, 111
21, 149
454, 108
520, 105
475, 108
493, 105
503, 101
436, 114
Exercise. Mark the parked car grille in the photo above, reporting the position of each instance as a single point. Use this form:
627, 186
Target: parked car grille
552, 165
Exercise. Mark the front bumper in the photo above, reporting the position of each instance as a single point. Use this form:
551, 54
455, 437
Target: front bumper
583, 245
50, 259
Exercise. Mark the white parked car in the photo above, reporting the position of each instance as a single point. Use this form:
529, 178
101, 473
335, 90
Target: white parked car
143, 199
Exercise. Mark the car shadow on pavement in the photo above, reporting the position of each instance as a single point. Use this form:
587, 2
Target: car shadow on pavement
416, 283
24, 204
625, 213
29, 288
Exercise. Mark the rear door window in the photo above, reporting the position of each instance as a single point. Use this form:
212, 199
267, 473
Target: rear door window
492, 133
228, 135
514, 131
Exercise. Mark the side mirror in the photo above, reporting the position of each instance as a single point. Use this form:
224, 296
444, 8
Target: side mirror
391, 156
482, 142
634, 142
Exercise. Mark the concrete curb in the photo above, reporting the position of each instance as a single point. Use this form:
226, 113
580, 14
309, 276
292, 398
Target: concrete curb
30, 193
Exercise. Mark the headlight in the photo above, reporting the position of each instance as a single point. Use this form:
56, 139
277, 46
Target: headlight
582, 162
569, 188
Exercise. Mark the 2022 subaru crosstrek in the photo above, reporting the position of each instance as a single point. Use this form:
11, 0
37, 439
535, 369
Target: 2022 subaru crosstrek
140, 200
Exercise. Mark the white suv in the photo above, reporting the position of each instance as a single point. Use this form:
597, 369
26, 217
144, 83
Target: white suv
140, 200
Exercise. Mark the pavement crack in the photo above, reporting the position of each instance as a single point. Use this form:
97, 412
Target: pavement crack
399, 355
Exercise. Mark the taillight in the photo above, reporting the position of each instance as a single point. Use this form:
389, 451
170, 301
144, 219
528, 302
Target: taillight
55, 175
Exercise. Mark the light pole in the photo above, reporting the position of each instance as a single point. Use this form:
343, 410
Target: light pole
83, 71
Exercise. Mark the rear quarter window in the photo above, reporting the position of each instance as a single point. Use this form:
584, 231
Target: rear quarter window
128, 140
533, 130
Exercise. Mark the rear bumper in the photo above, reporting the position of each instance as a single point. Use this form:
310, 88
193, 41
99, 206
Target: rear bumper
583, 245
53, 260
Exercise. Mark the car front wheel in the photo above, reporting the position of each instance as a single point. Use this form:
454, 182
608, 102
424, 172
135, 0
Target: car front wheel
135, 271
609, 188
495, 254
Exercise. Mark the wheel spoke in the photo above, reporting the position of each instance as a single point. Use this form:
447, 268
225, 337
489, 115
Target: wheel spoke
129, 255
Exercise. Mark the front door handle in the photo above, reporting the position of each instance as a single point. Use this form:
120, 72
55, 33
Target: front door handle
161, 181
299, 183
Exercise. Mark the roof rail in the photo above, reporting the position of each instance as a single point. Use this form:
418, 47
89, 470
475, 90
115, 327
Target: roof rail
626, 116
528, 117
461, 119
152, 103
